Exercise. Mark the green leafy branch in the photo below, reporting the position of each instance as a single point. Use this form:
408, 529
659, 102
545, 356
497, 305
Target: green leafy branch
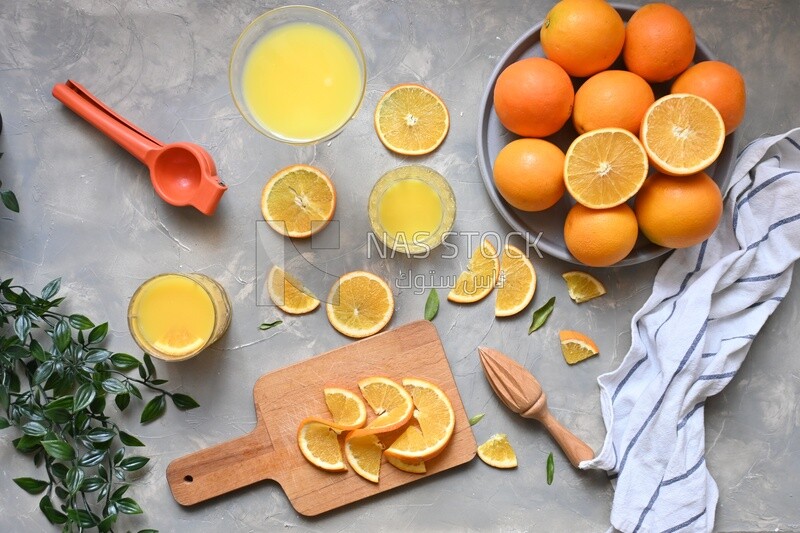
55, 380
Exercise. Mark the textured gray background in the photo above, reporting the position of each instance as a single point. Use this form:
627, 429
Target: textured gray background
90, 215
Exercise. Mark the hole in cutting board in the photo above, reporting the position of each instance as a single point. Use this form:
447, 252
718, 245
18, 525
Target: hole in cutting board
188, 479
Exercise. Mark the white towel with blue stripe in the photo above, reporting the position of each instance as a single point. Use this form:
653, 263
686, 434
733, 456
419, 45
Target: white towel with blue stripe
689, 339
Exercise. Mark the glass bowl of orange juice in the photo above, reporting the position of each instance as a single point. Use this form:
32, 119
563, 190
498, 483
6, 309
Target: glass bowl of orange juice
411, 209
176, 316
297, 74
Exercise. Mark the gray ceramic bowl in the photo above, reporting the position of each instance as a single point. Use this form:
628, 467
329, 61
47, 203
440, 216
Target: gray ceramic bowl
492, 137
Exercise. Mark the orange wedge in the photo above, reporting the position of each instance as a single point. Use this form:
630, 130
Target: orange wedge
289, 294
480, 277
436, 419
411, 120
605, 167
412, 468
319, 443
298, 201
390, 401
682, 133
347, 409
516, 283
363, 452
360, 304
576, 346
582, 287
497, 452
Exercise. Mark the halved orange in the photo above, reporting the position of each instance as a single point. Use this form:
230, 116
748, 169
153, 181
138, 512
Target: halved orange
682, 133
411, 119
319, 443
360, 304
516, 283
289, 294
480, 277
390, 401
605, 167
436, 419
298, 201
582, 286
576, 346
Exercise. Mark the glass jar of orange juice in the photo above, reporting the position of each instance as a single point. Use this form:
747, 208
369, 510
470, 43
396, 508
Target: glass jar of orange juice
176, 316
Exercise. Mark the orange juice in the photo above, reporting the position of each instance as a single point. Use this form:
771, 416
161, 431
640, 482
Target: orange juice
411, 208
175, 316
302, 81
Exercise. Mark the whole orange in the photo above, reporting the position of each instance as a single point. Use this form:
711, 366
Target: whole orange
529, 173
533, 97
612, 99
678, 211
600, 237
583, 36
720, 84
659, 42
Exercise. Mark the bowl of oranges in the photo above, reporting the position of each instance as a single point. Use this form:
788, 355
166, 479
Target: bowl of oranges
607, 132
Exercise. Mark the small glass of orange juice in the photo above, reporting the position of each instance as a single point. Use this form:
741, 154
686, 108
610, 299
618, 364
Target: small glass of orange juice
176, 316
411, 209
297, 74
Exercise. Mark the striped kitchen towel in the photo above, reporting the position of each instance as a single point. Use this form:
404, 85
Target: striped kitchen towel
689, 339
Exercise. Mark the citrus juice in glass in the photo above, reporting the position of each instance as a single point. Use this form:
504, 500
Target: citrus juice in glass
411, 208
175, 316
302, 81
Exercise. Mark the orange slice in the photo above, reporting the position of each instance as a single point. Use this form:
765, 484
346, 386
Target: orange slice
576, 346
605, 167
480, 277
497, 452
319, 443
360, 304
412, 468
516, 283
347, 409
289, 294
298, 201
582, 287
390, 401
363, 452
682, 133
436, 419
411, 120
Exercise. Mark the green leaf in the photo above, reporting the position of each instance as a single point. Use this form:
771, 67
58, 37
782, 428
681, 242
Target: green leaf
37, 351
10, 200
154, 409
80, 322
100, 435
4, 423
114, 386
432, 305
62, 335
475, 419
129, 506
184, 402
541, 315
96, 356
148, 362
75, 478
81, 517
120, 492
30, 485
5, 399
269, 325
147, 531
83, 397
59, 449
92, 458
107, 523
59, 470
42, 373
98, 333
22, 326
92, 484
34, 429
129, 440
124, 361
133, 463
53, 516
122, 401
551, 468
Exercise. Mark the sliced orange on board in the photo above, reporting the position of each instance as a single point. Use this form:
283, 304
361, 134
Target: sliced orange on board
319, 443
480, 277
411, 120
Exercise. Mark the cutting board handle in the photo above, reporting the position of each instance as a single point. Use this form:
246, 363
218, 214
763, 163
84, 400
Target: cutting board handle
220, 469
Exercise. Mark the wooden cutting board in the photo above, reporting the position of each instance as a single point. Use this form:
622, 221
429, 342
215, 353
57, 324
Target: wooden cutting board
286, 396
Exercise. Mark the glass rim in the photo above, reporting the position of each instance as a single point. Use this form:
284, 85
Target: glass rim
349, 36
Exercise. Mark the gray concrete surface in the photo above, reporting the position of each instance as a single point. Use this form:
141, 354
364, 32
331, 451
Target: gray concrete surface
90, 215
